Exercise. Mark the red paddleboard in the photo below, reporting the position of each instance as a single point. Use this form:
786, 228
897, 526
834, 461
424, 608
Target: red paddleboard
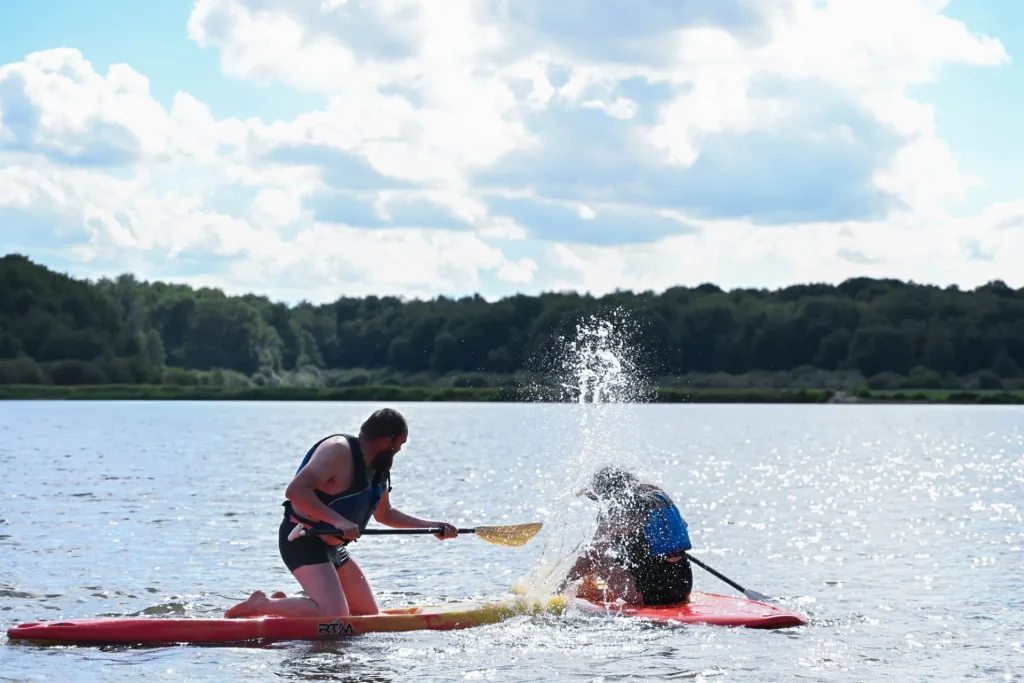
155, 630
703, 608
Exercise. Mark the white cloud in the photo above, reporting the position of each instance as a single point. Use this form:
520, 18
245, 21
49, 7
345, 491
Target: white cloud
518, 272
332, 259
719, 71
460, 120
120, 215
504, 228
871, 50
741, 254
268, 46
435, 109
621, 108
275, 208
925, 174
117, 214
54, 104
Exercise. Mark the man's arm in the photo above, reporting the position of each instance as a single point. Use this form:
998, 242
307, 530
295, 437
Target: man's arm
393, 517
331, 460
583, 565
593, 559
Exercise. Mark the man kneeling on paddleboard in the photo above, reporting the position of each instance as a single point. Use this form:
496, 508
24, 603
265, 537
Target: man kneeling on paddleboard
342, 481
639, 547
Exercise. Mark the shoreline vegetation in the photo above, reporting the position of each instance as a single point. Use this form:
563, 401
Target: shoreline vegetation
157, 392
858, 341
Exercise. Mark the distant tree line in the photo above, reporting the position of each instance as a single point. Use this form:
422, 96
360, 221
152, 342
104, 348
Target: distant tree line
61, 330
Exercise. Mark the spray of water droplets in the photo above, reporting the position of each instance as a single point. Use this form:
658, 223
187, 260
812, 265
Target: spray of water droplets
598, 364
598, 373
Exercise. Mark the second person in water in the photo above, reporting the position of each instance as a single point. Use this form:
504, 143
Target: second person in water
639, 547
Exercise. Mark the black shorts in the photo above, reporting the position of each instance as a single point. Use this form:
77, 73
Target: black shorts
663, 582
306, 550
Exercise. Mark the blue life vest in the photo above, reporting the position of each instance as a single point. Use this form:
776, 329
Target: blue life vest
666, 530
359, 501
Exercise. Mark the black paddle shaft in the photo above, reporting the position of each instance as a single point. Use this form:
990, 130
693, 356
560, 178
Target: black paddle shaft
382, 532
729, 581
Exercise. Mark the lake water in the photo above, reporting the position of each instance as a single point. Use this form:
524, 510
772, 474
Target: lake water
897, 530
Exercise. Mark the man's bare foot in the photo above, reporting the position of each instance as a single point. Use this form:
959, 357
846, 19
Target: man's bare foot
252, 607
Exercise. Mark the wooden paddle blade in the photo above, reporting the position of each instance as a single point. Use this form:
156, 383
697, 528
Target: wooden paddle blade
517, 535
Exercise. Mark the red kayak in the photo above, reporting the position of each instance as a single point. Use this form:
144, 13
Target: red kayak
704, 608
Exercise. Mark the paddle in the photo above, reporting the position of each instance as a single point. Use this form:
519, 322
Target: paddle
513, 536
751, 594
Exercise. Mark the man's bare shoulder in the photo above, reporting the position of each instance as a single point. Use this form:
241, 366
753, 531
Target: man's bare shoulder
334, 450
334, 444
331, 460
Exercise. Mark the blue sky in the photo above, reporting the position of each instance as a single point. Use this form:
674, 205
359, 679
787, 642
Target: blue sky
311, 148
153, 38
978, 110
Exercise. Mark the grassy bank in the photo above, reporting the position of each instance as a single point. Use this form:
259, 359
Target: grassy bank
494, 394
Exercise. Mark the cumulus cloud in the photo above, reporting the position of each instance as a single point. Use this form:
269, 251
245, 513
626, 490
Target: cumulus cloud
55, 105
530, 144
597, 224
742, 254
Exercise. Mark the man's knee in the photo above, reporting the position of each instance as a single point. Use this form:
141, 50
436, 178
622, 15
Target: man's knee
322, 587
357, 590
333, 606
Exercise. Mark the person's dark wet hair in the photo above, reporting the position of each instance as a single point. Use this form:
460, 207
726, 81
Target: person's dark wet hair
386, 423
610, 483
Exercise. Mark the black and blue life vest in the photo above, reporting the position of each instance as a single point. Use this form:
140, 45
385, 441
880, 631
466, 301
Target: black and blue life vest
665, 529
359, 501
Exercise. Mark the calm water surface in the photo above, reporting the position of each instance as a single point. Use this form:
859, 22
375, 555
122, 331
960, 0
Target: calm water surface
897, 530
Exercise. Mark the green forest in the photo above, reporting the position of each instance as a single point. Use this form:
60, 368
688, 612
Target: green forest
861, 334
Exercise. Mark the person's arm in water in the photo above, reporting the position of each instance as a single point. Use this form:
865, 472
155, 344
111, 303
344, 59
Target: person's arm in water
332, 461
393, 517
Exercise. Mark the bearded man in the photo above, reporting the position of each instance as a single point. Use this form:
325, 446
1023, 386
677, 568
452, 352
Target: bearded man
341, 482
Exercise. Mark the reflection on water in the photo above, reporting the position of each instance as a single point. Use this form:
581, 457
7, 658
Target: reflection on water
898, 530
342, 661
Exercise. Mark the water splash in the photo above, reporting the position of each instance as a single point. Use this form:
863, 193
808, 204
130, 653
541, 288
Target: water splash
599, 373
599, 366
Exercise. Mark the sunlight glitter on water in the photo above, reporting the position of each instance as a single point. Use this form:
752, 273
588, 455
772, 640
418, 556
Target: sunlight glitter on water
872, 532
896, 530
